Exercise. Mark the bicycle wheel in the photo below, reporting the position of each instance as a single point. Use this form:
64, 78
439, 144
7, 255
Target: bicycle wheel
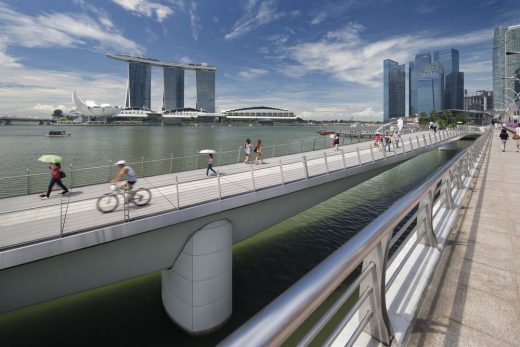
107, 203
141, 197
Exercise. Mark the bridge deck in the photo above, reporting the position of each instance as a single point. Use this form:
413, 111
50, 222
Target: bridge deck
474, 297
26, 219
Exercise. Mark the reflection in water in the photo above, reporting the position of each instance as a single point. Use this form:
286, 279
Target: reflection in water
131, 313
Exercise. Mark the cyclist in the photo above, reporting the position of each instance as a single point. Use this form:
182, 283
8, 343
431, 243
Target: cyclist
124, 169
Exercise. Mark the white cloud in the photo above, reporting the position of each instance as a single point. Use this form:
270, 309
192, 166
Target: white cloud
256, 14
320, 17
251, 73
48, 108
146, 8
195, 21
60, 30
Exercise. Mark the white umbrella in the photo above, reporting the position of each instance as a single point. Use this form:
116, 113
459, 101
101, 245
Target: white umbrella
207, 151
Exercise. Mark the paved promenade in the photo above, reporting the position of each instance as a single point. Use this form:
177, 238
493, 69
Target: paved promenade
474, 297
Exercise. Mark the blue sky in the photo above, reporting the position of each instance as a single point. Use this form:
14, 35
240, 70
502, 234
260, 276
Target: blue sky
322, 59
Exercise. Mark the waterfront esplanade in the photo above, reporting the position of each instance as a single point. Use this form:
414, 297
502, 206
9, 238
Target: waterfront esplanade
139, 83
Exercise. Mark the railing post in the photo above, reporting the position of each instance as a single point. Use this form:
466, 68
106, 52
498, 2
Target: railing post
281, 173
425, 220
305, 169
326, 162
177, 191
142, 166
252, 177
371, 152
359, 156
218, 155
379, 327
418, 142
71, 177
197, 160
238, 154
28, 182
218, 184
411, 144
343, 158
108, 169
384, 149
430, 137
274, 146
447, 191
301, 146
424, 139
171, 162
313, 143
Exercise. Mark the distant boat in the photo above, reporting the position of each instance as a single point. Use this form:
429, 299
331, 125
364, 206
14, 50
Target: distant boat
57, 133
326, 132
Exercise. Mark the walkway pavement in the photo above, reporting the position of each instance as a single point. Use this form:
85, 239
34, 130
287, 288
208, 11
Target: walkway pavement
474, 296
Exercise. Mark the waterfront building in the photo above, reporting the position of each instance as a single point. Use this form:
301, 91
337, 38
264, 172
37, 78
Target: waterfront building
259, 114
173, 96
139, 83
453, 78
445, 66
205, 90
422, 61
481, 101
411, 86
506, 66
393, 89
139, 91
430, 89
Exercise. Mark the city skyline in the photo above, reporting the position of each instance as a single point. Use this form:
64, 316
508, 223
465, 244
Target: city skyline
321, 60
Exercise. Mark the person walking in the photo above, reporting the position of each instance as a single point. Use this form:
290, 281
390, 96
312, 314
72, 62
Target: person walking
503, 137
56, 176
247, 150
258, 152
335, 142
377, 141
397, 138
210, 165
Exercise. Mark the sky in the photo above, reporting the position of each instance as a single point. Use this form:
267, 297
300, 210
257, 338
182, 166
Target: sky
321, 59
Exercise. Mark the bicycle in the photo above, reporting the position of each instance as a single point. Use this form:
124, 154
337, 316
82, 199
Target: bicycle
110, 201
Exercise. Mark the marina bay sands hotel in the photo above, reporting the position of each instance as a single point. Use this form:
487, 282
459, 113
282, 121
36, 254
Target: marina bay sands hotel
140, 76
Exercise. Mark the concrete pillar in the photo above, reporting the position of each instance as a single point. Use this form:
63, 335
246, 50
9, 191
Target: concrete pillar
196, 291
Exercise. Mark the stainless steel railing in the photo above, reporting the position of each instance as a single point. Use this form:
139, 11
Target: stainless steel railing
181, 190
381, 250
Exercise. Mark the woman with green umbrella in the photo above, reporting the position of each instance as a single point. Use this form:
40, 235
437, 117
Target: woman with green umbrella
56, 174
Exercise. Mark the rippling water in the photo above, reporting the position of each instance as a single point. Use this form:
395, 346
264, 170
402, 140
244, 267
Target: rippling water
131, 313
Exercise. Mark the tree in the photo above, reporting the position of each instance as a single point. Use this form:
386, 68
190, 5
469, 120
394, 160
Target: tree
57, 113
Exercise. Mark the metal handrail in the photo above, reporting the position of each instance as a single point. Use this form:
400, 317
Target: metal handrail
174, 193
277, 321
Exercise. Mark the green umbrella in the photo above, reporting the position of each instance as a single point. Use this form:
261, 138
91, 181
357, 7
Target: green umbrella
51, 158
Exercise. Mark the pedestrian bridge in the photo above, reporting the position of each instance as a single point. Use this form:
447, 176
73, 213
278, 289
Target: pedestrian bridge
61, 246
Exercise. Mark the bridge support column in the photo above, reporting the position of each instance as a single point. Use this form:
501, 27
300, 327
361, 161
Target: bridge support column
196, 291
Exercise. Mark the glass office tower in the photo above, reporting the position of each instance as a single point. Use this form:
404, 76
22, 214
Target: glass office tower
411, 86
506, 39
430, 89
173, 96
205, 90
453, 79
393, 90
422, 62
139, 85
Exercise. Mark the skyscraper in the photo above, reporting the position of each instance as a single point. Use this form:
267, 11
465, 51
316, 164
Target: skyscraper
205, 90
506, 67
430, 89
139, 83
422, 61
394, 89
139, 92
453, 79
173, 96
